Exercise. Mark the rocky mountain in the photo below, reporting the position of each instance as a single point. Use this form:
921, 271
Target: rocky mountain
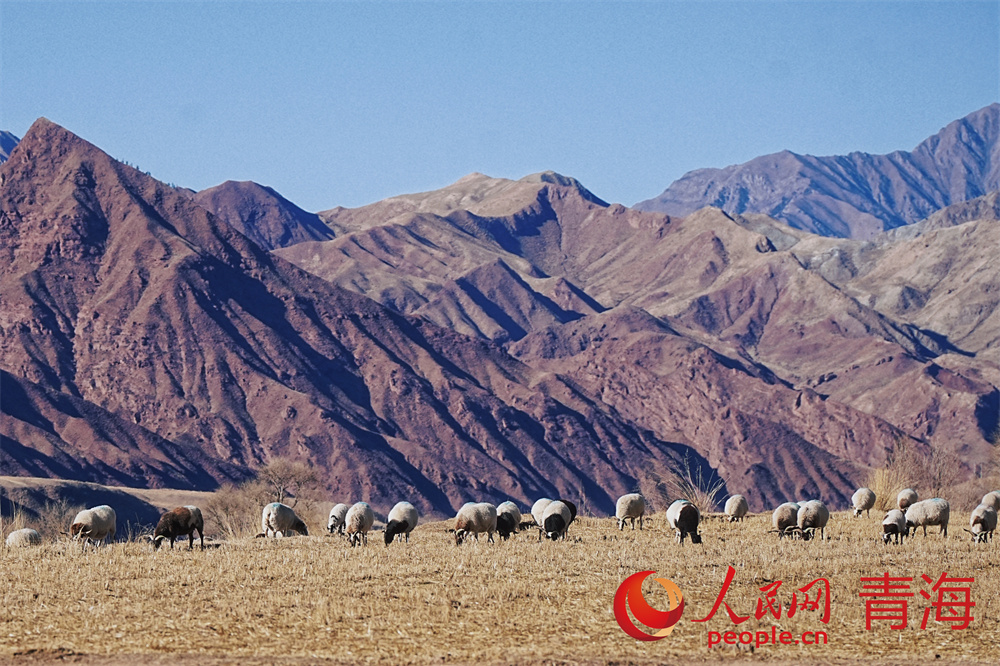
851, 196
262, 215
7, 143
858, 324
145, 334
492, 339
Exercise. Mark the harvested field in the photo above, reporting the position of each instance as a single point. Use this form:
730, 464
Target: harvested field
313, 599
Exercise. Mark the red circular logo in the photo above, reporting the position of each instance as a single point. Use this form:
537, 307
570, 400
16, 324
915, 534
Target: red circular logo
629, 597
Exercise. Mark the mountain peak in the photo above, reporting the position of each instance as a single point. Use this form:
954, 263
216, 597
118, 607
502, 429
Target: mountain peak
858, 195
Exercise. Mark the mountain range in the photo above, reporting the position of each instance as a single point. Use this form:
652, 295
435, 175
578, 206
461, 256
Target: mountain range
851, 196
493, 339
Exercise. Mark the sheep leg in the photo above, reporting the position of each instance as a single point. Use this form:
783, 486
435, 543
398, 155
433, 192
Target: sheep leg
640, 523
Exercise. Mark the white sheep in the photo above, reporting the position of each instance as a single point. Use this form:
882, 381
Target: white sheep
863, 500
337, 516
400, 522
894, 526
928, 512
278, 520
358, 522
906, 498
628, 508
475, 518
683, 517
813, 515
508, 519
992, 499
538, 508
736, 508
982, 523
24, 538
785, 518
556, 520
95, 524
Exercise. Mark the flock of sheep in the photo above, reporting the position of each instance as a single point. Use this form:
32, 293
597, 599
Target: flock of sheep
552, 518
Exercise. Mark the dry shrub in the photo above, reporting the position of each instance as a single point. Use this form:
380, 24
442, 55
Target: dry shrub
54, 517
236, 509
690, 482
938, 473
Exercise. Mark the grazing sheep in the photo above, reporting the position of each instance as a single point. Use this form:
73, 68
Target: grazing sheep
863, 500
992, 499
906, 498
556, 520
474, 518
538, 508
279, 519
358, 522
894, 526
24, 538
928, 512
683, 517
95, 524
508, 519
785, 519
184, 520
813, 515
400, 522
338, 514
736, 508
982, 523
629, 507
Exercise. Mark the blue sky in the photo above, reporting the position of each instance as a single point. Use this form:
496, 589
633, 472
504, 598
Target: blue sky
347, 103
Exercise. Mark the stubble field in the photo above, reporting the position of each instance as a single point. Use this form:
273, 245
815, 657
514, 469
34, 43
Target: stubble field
314, 599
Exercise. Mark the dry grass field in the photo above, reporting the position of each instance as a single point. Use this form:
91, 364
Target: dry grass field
314, 599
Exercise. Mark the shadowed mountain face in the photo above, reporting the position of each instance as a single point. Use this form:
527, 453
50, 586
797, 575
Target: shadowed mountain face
145, 336
7, 143
262, 215
856, 195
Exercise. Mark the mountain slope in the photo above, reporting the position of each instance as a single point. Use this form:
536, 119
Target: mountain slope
851, 196
262, 215
124, 294
747, 287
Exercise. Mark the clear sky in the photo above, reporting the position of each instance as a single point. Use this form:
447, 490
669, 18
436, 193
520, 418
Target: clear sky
342, 103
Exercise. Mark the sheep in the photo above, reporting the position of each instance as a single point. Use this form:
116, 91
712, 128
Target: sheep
785, 519
992, 499
358, 522
95, 524
736, 508
279, 519
556, 520
905, 498
894, 525
683, 517
508, 519
24, 538
982, 523
863, 500
400, 522
629, 507
928, 512
337, 515
474, 518
184, 520
538, 508
813, 515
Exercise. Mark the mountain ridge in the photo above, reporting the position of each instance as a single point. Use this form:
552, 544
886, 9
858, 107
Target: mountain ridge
857, 195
